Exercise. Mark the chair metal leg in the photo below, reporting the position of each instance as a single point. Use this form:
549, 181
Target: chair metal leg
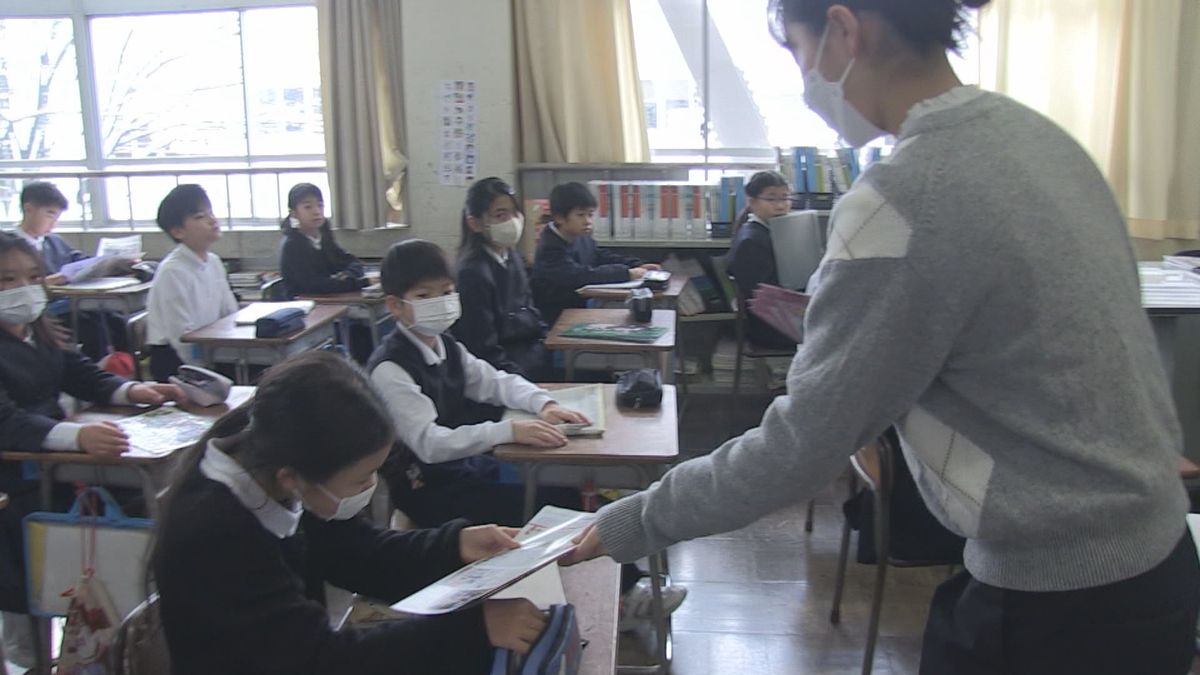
881, 501
808, 516
835, 614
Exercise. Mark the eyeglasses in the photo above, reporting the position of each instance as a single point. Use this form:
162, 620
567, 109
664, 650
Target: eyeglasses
775, 200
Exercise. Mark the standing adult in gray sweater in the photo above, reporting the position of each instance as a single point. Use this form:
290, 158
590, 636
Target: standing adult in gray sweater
980, 294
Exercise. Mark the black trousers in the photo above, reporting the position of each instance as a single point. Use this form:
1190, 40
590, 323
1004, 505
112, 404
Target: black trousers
1141, 626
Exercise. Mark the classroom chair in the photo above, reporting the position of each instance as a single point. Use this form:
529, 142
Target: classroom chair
275, 291
135, 330
141, 647
746, 349
874, 465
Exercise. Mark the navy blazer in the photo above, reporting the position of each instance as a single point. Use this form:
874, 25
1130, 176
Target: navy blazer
751, 262
307, 270
56, 253
561, 267
499, 322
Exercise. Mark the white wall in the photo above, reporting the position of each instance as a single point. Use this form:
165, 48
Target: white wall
456, 40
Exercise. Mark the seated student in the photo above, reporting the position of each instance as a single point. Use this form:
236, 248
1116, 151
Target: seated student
265, 512
434, 386
310, 261
751, 259
445, 402
35, 368
190, 288
499, 322
41, 205
567, 257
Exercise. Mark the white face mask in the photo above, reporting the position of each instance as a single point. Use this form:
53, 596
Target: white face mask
508, 233
22, 305
347, 507
828, 100
433, 316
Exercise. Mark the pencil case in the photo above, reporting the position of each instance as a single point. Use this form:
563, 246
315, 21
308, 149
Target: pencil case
279, 323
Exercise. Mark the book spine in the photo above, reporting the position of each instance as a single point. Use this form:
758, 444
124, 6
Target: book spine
602, 226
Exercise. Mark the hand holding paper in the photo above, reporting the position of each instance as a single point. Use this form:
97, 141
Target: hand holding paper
485, 541
781, 308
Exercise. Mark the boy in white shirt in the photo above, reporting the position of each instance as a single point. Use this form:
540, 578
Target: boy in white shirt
190, 288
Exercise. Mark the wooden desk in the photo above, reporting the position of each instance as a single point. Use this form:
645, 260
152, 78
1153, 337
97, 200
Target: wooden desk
643, 440
660, 348
669, 295
126, 300
594, 588
372, 309
225, 341
148, 467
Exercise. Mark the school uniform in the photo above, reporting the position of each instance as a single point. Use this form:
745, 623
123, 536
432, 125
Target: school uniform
32, 377
98, 331
242, 577
499, 322
561, 267
751, 262
309, 266
446, 403
188, 293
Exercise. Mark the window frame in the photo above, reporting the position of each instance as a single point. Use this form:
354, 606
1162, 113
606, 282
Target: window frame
80, 13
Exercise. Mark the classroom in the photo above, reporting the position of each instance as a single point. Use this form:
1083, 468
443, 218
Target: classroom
599, 336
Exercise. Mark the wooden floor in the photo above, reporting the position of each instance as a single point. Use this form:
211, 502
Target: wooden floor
759, 598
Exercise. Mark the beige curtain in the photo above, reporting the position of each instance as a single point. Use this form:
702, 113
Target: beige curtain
1123, 77
578, 91
363, 101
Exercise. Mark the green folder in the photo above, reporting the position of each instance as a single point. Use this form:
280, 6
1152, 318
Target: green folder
620, 332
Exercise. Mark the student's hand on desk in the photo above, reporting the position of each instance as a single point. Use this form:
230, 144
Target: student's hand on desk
513, 624
538, 434
103, 438
587, 546
636, 273
556, 414
652, 266
154, 394
485, 541
56, 280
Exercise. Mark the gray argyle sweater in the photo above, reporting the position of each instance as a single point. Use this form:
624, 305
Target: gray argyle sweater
979, 293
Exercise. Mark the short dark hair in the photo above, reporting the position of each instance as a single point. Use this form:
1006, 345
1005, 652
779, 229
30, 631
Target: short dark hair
480, 197
408, 263
925, 25
182, 201
302, 191
41, 193
567, 197
763, 180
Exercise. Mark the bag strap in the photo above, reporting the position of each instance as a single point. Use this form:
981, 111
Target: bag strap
111, 511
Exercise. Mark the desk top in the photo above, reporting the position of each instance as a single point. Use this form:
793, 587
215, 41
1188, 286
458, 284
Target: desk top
351, 298
70, 292
593, 587
103, 413
225, 332
674, 289
570, 317
632, 436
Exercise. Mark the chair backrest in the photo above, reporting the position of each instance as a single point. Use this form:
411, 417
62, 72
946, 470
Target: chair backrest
135, 330
275, 291
873, 463
141, 647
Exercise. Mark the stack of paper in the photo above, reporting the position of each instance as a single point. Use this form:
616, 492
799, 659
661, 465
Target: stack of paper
544, 540
587, 400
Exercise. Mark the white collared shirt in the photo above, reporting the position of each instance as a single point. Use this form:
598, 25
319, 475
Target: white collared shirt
188, 293
415, 415
275, 518
501, 257
36, 242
